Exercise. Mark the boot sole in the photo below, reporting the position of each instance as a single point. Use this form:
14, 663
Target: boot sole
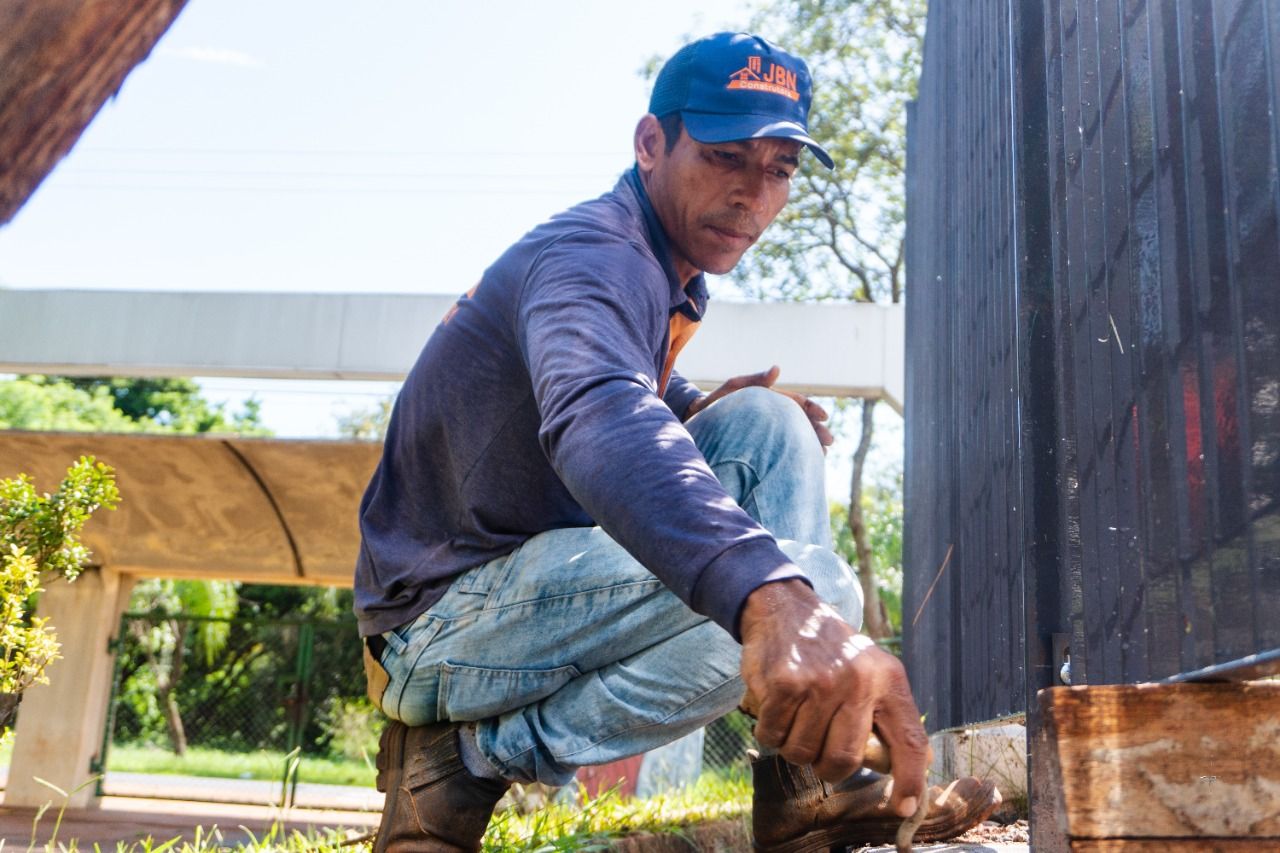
390, 764
875, 831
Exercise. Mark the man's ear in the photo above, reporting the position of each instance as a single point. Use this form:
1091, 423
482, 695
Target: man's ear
649, 142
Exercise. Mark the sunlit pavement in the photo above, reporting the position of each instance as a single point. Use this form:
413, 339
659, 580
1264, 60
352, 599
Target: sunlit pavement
307, 795
130, 819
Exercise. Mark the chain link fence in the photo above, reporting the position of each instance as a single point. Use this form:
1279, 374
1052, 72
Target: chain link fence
260, 704
274, 709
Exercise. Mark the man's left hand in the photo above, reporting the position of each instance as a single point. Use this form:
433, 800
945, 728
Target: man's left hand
816, 414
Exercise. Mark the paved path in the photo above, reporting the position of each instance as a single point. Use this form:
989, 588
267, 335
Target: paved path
308, 795
130, 819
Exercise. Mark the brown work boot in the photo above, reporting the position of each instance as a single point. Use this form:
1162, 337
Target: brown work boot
793, 811
434, 804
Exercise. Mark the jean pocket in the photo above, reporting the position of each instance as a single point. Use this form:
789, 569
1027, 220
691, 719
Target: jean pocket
477, 693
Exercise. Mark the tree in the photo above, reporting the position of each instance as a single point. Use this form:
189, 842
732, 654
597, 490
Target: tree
882, 509
163, 641
841, 235
119, 405
174, 405
369, 424
36, 403
39, 542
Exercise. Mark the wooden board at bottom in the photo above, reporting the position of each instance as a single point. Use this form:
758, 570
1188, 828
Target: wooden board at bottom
1176, 761
1177, 845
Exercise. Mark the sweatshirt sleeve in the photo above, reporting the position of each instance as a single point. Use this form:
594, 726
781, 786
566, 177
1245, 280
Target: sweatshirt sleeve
680, 393
590, 316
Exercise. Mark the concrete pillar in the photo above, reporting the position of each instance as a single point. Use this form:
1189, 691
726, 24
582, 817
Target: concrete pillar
59, 728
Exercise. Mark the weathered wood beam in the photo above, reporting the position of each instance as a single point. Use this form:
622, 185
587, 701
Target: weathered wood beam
1172, 845
59, 62
1182, 766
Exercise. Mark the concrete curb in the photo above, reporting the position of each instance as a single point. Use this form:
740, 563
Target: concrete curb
996, 752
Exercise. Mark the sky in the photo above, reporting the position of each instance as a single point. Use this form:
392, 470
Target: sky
387, 147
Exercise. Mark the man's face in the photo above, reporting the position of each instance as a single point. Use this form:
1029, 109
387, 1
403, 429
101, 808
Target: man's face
714, 200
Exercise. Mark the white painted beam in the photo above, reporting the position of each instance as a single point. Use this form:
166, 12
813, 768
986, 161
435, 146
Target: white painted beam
827, 348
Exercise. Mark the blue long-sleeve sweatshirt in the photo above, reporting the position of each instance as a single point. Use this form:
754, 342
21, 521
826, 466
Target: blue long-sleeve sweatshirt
535, 405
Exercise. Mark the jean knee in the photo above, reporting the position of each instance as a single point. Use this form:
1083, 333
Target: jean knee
773, 416
765, 406
833, 580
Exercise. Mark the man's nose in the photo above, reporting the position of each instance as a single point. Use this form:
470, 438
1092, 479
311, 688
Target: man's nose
751, 194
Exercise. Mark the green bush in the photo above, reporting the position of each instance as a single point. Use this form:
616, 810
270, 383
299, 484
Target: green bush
39, 539
352, 727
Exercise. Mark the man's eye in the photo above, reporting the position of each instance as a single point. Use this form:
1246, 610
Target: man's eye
783, 174
726, 156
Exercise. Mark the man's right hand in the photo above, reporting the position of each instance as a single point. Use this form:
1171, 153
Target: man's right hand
820, 687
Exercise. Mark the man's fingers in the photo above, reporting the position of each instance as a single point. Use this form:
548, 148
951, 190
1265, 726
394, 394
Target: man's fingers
775, 720
846, 743
898, 723
813, 410
808, 732
763, 379
825, 438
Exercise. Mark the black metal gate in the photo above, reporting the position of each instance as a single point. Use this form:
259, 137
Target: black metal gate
1093, 400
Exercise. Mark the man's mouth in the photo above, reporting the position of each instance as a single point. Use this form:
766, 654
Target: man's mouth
733, 235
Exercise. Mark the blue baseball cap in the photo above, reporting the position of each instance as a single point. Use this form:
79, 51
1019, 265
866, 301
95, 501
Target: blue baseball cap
732, 86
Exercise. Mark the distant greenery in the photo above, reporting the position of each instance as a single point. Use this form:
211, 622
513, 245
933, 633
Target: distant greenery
263, 764
367, 424
34, 403
105, 404
882, 515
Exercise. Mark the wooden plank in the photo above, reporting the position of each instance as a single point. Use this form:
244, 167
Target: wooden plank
1171, 761
1048, 822
59, 62
1176, 845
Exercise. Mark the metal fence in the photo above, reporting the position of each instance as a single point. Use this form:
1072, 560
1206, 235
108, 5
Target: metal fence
1093, 426
276, 708
222, 696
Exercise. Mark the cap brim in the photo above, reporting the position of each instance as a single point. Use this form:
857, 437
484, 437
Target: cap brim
716, 127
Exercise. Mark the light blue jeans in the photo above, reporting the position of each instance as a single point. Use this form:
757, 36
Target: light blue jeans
569, 652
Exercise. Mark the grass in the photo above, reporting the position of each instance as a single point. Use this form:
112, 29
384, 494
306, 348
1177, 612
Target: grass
264, 764
275, 840
589, 826
558, 827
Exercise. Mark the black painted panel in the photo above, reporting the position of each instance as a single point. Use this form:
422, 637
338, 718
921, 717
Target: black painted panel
1093, 363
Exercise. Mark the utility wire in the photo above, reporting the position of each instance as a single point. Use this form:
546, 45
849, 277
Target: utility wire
317, 152
557, 191
276, 173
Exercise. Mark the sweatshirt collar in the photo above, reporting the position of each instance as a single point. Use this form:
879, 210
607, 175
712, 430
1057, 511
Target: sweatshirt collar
689, 299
